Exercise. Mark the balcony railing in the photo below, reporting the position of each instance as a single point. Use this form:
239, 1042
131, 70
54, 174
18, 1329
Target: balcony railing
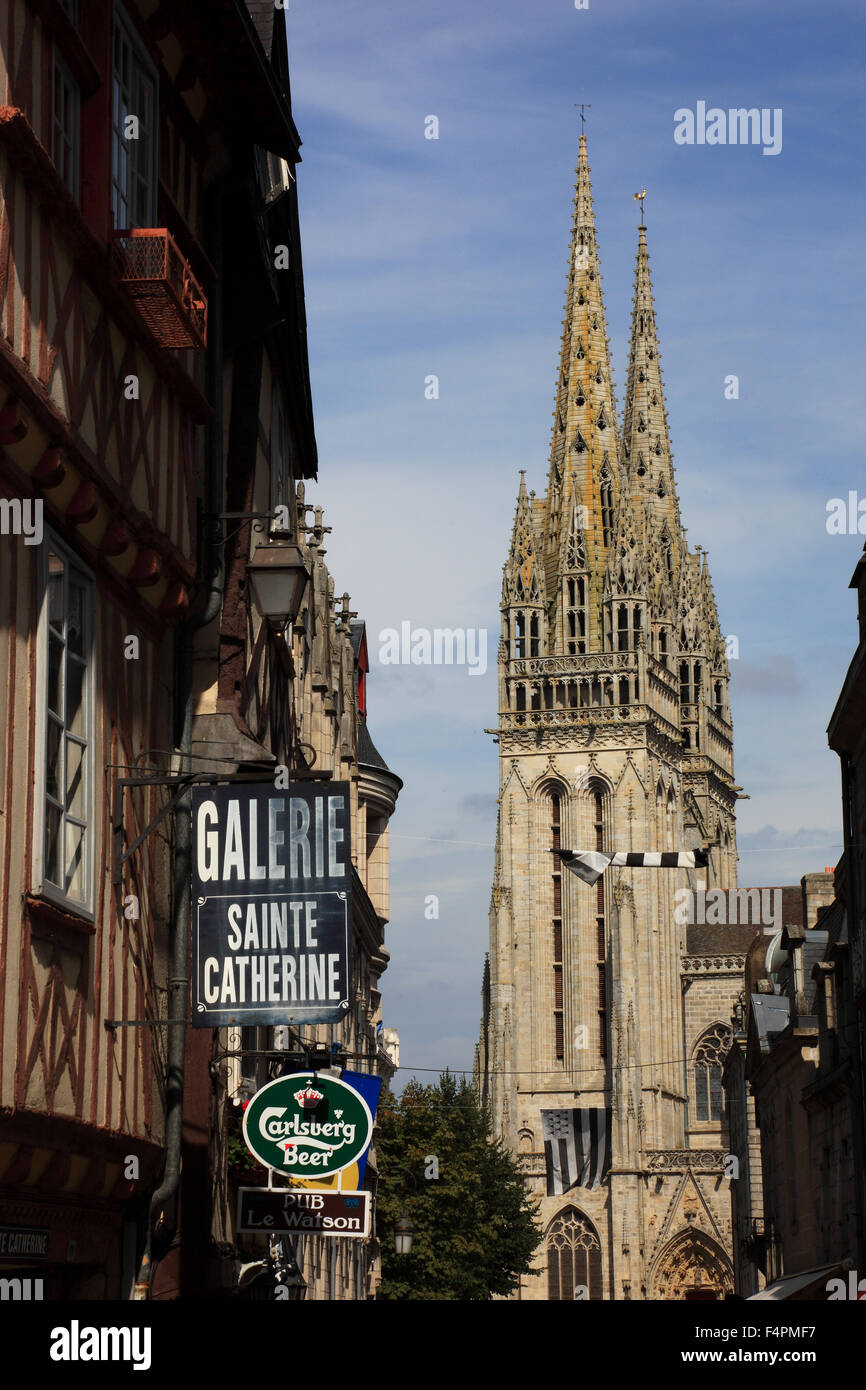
168, 296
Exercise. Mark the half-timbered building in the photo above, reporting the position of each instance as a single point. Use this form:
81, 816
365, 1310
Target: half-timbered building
155, 426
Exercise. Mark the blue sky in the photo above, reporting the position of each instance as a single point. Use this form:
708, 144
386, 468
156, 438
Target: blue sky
449, 257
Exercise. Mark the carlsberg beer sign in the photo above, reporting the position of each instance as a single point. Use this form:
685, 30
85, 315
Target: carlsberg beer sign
307, 1126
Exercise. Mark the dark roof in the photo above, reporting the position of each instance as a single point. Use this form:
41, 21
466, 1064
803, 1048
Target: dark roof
368, 753
717, 940
792, 903
262, 15
356, 632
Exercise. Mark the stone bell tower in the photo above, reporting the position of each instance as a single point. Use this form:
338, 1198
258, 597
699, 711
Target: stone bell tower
614, 732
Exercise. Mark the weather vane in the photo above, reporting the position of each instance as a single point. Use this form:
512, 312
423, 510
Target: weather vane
639, 197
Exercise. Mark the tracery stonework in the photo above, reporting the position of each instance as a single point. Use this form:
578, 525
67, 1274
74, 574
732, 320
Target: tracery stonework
692, 1266
614, 733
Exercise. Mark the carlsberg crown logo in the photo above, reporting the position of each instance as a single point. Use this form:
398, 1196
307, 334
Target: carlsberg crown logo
311, 1130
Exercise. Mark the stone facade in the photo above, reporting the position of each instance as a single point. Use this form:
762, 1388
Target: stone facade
614, 733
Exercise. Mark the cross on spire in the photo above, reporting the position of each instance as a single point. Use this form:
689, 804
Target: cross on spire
582, 104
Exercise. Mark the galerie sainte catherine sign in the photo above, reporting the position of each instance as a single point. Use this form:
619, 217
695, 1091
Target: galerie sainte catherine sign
271, 898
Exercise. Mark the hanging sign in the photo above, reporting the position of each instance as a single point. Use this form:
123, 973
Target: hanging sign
293, 1209
271, 901
307, 1125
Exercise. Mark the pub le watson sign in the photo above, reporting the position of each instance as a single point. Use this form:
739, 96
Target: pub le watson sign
307, 1126
271, 889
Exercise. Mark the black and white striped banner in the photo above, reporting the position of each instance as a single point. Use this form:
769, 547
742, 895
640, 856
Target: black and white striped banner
576, 1148
590, 864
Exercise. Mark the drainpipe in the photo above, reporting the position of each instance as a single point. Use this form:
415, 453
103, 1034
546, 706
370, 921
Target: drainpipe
212, 567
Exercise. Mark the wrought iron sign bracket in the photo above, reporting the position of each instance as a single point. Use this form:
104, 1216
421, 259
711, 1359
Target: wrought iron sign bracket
214, 521
181, 781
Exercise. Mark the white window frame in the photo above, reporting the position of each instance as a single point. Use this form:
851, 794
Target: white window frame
84, 906
124, 29
59, 134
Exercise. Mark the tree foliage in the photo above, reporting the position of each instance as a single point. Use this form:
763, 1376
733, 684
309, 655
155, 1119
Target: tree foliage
475, 1228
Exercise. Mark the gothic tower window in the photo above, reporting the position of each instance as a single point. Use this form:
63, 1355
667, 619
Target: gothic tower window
573, 1257
519, 636
709, 1057
534, 639
622, 628
575, 615
556, 844
606, 491
598, 827
685, 683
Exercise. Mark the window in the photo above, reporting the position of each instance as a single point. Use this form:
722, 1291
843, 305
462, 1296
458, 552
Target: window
134, 131
573, 1257
66, 700
556, 844
606, 491
519, 636
65, 125
598, 827
274, 174
708, 1072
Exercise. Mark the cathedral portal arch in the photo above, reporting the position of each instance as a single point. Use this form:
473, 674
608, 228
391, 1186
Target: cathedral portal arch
691, 1266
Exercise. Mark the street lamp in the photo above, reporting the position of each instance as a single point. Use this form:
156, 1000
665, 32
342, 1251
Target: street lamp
291, 1278
404, 1234
278, 575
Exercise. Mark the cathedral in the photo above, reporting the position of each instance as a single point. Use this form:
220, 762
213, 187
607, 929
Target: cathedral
614, 734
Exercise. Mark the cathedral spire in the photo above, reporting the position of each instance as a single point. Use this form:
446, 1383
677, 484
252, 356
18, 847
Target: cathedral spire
646, 449
523, 582
584, 449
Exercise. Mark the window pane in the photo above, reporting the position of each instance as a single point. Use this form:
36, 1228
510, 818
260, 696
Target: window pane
75, 788
74, 860
55, 674
52, 844
701, 1087
76, 721
56, 569
75, 634
715, 1092
52, 760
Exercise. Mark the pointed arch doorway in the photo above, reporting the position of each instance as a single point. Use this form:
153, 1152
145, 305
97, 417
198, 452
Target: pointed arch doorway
693, 1267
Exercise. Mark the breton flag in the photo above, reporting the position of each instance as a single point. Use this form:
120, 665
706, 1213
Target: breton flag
590, 864
576, 1148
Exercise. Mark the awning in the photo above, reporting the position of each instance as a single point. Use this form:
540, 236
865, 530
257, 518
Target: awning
795, 1285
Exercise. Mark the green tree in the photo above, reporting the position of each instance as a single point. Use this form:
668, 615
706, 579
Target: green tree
475, 1227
